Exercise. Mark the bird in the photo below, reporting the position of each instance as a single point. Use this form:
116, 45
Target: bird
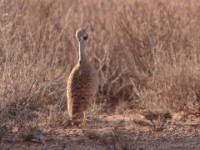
82, 83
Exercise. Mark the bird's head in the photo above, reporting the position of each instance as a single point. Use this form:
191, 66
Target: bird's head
81, 34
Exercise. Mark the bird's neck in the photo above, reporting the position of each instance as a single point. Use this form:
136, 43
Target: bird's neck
82, 51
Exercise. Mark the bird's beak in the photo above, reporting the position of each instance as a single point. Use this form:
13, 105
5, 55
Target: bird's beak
86, 27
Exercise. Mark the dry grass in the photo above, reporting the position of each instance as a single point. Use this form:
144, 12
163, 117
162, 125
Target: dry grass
147, 54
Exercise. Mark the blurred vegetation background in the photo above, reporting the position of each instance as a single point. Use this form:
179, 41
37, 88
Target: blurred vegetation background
147, 53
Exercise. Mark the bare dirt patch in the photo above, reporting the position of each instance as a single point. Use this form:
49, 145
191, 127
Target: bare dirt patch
117, 132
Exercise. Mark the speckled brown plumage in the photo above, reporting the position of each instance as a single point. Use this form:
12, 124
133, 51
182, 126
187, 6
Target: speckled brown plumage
81, 86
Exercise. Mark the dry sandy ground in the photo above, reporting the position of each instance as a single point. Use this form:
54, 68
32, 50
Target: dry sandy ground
116, 132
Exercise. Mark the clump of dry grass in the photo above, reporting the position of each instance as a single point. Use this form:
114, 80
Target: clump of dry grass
147, 54
158, 44
161, 117
32, 133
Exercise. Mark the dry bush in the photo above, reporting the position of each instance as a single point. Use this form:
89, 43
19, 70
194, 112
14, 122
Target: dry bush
147, 54
160, 44
33, 59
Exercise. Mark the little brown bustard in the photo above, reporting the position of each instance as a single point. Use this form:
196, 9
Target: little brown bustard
82, 83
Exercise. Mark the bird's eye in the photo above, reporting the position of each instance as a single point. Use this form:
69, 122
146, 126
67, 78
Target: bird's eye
85, 37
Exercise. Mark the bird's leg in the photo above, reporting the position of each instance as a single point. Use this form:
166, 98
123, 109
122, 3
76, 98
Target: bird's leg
84, 120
